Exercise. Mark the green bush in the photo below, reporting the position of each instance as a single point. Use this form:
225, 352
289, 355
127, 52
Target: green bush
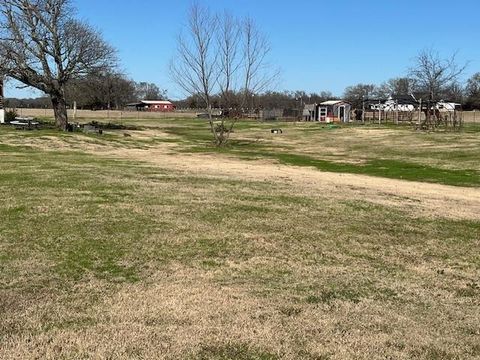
10, 115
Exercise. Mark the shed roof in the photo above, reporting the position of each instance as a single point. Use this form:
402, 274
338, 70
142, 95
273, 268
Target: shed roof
332, 102
156, 102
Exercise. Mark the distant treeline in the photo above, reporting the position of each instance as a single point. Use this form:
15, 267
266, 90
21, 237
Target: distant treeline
109, 91
34, 103
268, 100
98, 91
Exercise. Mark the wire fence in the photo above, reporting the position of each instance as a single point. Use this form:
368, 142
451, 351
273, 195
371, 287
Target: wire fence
410, 117
383, 117
471, 117
112, 115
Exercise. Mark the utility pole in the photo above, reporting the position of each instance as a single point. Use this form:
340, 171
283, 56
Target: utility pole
420, 113
397, 115
74, 110
363, 111
379, 112
2, 110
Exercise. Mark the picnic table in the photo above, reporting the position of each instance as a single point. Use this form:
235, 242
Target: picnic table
25, 123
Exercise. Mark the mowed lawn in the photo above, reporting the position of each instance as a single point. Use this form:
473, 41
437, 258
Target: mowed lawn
108, 254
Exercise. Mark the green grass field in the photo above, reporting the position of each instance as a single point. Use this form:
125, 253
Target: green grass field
358, 242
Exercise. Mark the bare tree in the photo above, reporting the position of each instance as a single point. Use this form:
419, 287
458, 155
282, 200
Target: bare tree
230, 61
195, 67
44, 46
149, 91
401, 86
101, 90
220, 55
258, 74
433, 74
357, 94
472, 91
454, 92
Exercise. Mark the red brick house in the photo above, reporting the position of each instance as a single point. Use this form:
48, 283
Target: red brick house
152, 106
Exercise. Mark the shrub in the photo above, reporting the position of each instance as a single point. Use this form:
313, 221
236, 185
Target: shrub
10, 115
221, 128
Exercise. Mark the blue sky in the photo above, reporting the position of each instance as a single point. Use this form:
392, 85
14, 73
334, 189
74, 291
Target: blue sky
318, 44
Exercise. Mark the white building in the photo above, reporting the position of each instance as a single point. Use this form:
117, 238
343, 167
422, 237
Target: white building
447, 106
328, 111
409, 103
395, 104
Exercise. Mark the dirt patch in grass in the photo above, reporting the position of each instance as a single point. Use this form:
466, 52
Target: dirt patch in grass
422, 198
427, 199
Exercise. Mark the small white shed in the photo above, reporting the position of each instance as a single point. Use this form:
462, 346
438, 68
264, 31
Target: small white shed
328, 111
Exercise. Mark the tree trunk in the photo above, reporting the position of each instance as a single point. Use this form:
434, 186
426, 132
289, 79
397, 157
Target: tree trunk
60, 110
212, 125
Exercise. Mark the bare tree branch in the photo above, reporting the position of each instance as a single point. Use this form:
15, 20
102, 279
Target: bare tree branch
219, 54
230, 62
433, 74
44, 46
258, 74
194, 67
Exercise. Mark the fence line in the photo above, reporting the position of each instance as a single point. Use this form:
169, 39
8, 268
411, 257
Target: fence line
105, 114
392, 117
468, 117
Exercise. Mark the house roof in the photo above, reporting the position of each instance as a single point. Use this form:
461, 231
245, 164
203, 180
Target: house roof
449, 103
156, 102
150, 102
403, 99
332, 102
